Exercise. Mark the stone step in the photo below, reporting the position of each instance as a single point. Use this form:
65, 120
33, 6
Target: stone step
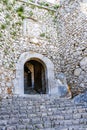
42, 112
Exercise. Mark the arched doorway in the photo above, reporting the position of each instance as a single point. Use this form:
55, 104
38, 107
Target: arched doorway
34, 77
47, 67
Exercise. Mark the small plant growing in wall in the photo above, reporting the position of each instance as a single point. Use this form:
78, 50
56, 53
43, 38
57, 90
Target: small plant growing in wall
6, 51
9, 7
31, 13
51, 12
44, 4
48, 37
32, 6
56, 6
0, 34
42, 35
21, 15
13, 33
5, 2
7, 16
18, 23
20, 12
3, 26
31, 0
20, 9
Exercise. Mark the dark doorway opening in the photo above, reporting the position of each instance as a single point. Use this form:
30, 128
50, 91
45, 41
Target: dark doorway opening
34, 78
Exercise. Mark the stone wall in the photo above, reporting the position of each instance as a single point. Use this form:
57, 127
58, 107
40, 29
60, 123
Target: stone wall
24, 27
72, 40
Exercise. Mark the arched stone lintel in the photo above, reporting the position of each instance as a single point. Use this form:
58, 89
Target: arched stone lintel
47, 63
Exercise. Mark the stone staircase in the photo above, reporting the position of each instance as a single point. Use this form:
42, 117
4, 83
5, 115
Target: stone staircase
42, 112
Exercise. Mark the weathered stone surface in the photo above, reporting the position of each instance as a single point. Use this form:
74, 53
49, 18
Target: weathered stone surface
73, 41
77, 71
81, 98
62, 86
32, 113
83, 63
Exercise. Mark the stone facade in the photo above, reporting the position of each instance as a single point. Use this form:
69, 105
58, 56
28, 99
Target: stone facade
30, 29
72, 41
57, 34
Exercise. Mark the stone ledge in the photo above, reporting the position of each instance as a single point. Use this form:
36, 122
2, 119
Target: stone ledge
38, 5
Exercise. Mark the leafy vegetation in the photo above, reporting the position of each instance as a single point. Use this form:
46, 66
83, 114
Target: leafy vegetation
31, 0
20, 9
32, 6
42, 35
44, 4
5, 1
31, 13
0, 34
3, 26
56, 6
20, 12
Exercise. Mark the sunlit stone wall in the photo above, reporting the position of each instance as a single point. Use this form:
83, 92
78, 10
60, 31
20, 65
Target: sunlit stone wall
72, 40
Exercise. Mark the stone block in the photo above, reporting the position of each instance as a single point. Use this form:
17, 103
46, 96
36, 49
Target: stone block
77, 116
77, 71
11, 128
83, 63
62, 86
80, 98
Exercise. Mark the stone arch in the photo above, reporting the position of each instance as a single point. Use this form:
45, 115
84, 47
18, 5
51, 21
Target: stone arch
49, 69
